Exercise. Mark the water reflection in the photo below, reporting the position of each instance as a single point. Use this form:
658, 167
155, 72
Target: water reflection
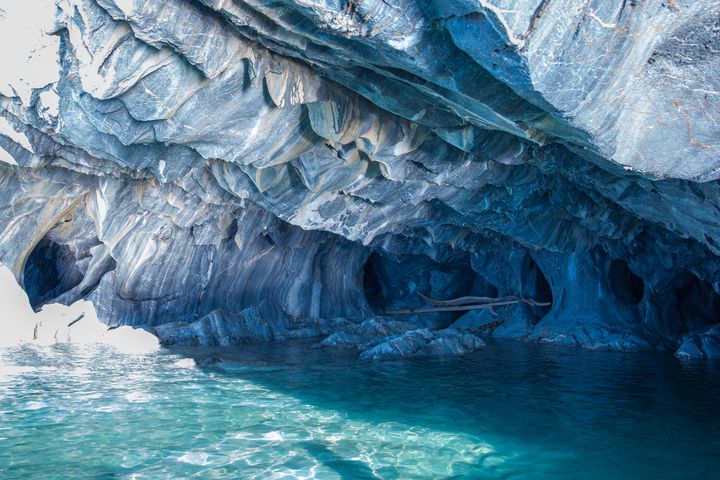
511, 411
346, 469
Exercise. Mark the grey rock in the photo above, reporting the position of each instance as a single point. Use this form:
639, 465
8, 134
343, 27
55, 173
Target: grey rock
702, 344
222, 328
366, 334
477, 320
343, 340
424, 342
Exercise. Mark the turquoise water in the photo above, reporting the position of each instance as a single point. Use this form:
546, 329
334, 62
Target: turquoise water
286, 411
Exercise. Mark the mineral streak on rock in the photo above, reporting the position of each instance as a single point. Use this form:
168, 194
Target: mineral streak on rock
244, 169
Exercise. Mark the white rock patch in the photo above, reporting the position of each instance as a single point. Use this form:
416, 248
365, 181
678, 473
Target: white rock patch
30, 60
55, 323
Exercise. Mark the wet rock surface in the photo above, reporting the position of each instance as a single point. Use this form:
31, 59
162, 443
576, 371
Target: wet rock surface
703, 344
424, 342
187, 165
382, 338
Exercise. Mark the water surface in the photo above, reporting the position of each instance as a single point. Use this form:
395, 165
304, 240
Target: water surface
286, 411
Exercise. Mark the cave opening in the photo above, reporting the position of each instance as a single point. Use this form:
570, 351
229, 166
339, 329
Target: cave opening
393, 283
50, 271
697, 303
371, 286
535, 285
628, 287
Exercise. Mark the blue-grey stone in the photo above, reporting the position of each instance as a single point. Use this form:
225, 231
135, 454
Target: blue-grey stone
702, 344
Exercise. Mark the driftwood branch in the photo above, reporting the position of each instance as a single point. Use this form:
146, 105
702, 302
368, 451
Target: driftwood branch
82, 315
483, 300
462, 300
468, 303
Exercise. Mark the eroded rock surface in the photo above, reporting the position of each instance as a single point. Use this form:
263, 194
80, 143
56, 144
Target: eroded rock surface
180, 162
702, 344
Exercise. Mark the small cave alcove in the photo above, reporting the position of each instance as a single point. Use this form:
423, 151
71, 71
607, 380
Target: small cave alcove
697, 303
371, 286
393, 283
536, 286
628, 287
50, 271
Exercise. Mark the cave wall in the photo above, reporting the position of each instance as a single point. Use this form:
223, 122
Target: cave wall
146, 255
183, 156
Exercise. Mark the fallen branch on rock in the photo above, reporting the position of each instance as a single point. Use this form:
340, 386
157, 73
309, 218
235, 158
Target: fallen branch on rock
82, 315
468, 303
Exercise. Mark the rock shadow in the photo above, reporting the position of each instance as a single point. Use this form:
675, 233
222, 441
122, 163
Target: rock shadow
347, 469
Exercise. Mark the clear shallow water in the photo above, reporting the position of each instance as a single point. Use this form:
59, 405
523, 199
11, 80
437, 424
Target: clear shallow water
284, 411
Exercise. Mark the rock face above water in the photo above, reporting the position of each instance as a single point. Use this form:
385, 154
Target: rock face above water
181, 163
701, 344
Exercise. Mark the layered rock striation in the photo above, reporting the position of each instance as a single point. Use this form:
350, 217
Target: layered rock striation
181, 162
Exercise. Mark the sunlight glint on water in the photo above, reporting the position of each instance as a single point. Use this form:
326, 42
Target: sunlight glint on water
290, 412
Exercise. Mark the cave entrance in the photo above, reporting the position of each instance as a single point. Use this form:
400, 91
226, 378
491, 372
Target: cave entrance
626, 286
698, 304
536, 286
372, 286
395, 282
50, 271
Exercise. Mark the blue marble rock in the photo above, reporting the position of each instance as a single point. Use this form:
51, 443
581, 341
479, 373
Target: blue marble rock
222, 328
424, 342
702, 344
249, 170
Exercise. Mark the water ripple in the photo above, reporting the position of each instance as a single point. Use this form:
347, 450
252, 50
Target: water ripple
293, 413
